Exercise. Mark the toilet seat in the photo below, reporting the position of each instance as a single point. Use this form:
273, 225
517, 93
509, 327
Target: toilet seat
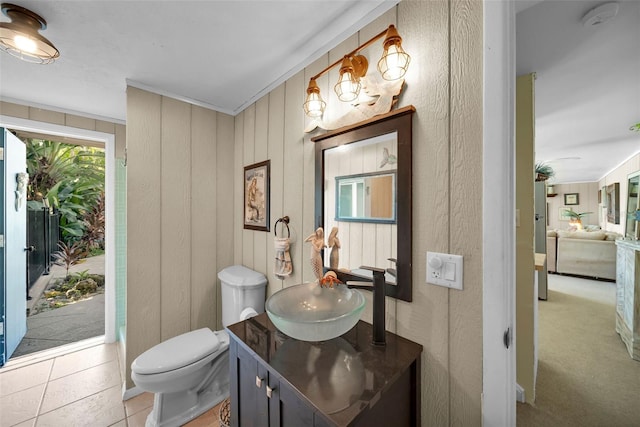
177, 352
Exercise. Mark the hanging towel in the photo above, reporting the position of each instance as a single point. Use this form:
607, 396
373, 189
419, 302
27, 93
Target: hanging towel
283, 266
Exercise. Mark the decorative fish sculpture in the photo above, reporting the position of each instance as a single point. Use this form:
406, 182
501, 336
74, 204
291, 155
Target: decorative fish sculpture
383, 95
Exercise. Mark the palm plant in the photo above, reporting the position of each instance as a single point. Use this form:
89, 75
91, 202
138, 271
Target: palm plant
543, 171
576, 218
70, 177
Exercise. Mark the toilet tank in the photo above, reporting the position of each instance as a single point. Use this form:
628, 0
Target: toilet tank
243, 290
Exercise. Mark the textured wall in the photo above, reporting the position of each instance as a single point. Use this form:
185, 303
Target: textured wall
179, 219
588, 202
444, 83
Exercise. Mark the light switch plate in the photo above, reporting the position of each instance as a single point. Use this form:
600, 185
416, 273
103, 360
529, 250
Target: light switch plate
444, 270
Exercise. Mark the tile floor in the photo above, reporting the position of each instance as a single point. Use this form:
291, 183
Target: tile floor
76, 387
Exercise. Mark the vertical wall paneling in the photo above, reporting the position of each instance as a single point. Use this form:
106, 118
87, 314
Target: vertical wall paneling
465, 183
14, 110
238, 188
275, 141
226, 200
179, 217
588, 202
248, 145
261, 153
79, 122
293, 172
204, 202
46, 116
424, 27
143, 223
175, 188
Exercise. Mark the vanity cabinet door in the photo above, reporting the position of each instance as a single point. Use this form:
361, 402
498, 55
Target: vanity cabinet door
286, 407
249, 403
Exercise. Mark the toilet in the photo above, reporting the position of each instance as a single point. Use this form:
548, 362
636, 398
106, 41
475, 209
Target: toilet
189, 373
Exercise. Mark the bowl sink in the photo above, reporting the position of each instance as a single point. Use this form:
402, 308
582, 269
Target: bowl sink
308, 312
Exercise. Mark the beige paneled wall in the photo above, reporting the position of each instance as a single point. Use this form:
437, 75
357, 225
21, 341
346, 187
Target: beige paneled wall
65, 119
525, 307
179, 220
620, 174
447, 179
588, 202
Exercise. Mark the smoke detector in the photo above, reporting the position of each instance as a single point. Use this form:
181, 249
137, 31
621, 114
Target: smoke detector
600, 14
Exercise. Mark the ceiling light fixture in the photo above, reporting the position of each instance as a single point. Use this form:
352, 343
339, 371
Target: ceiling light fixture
600, 14
21, 39
392, 66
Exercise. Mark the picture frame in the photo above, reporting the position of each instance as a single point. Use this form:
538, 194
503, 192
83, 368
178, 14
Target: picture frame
571, 199
613, 203
562, 214
256, 202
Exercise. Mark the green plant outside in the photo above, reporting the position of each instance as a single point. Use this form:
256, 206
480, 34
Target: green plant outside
71, 179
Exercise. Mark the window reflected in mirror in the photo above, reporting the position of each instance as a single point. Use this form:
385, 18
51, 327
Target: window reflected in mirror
366, 197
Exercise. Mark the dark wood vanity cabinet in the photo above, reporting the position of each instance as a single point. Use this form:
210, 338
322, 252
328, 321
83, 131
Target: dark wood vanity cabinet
280, 381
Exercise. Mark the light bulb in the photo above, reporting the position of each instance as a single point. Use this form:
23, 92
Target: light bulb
394, 62
25, 44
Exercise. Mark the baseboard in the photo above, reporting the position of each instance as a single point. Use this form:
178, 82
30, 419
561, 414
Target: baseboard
519, 393
129, 393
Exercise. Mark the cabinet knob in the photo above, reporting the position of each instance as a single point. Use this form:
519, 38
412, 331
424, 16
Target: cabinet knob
270, 391
258, 382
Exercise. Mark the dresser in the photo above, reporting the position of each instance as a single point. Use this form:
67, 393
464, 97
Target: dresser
628, 295
280, 381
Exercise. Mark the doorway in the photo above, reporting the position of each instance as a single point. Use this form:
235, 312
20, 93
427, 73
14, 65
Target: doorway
65, 241
108, 140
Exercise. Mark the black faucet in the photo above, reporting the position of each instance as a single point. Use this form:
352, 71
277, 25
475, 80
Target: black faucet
377, 286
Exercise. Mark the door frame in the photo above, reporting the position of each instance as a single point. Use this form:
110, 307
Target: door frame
110, 241
498, 165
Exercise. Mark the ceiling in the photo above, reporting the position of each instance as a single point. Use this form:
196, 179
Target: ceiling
587, 87
227, 54
221, 54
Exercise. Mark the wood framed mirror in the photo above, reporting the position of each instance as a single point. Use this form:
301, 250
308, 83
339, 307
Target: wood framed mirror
379, 146
632, 230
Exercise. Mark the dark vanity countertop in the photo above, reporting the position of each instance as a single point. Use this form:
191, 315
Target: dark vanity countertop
342, 376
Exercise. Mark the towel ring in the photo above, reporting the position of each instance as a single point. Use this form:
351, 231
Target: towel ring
285, 221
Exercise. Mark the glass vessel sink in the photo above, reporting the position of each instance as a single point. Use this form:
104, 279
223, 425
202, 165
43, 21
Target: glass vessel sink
308, 312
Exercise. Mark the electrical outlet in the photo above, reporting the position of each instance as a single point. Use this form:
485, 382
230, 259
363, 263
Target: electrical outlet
444, 270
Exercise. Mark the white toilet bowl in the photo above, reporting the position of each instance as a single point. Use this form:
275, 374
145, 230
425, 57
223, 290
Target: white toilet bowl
189, 375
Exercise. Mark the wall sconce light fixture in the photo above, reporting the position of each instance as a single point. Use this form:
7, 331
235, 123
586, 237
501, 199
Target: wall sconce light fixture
392, 66
21, 39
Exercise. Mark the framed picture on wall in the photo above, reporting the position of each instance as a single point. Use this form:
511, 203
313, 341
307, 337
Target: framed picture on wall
563, 214
571, 199
256, 196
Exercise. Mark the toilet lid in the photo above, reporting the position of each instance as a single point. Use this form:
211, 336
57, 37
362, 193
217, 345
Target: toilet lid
177, 352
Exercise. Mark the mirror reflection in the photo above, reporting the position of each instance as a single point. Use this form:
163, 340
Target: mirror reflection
360, 203
633, 207
372, 156
366, 198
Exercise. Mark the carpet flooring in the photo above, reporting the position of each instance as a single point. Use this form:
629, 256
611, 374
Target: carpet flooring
585, 374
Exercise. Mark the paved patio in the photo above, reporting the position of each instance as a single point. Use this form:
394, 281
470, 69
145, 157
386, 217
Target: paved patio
74, 322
